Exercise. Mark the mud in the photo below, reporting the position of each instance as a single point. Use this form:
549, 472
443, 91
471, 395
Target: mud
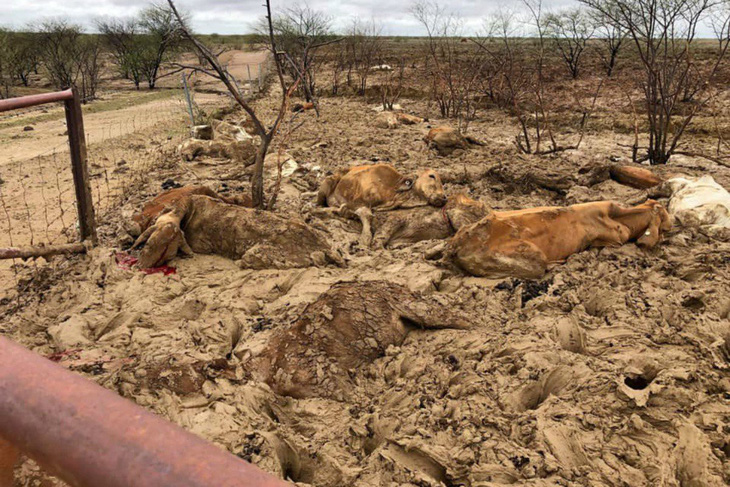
610, 371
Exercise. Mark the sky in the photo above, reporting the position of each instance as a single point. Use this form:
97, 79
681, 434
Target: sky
239, 16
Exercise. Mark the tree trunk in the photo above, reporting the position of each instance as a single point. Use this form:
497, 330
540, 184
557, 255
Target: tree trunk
257, 179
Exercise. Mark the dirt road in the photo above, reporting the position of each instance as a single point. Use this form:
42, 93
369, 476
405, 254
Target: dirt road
17, 144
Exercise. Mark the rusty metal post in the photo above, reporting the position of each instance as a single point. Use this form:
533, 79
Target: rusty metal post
79, 167
90, 437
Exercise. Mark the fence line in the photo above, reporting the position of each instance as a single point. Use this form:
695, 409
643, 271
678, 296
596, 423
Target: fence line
38, 203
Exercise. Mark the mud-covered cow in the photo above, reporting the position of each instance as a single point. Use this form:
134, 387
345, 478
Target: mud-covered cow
381, 187
426, 223
346, 328
260, 239
522, 243
153, 209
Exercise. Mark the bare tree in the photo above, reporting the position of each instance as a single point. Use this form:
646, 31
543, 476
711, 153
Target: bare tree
22, 55
571, 30
664, 33
58, 43
5, 77
453, 67
392, 85
70, 58
219, 72
610, 36
363, 48
509, 83
300, 32
161, 38
88, 66
515, 81
123, 37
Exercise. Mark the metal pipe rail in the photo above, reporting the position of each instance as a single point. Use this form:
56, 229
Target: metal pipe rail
33, 100
90, 437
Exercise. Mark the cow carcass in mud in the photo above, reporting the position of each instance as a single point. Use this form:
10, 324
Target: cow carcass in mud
523, 243
154, 208
700, 201
413, 225
346, 328
260, 239
358, 190
446, 140
391, 120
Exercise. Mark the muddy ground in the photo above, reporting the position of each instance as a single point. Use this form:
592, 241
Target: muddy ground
612, 370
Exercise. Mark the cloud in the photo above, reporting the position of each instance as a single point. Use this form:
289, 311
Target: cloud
239, 16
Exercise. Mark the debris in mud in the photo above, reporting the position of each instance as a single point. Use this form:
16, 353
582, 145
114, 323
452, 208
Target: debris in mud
530, 289
170, 184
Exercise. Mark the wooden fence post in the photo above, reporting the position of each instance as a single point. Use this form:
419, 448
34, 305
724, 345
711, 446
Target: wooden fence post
80, 169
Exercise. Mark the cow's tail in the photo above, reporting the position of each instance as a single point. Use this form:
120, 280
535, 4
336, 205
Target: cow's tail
328, 187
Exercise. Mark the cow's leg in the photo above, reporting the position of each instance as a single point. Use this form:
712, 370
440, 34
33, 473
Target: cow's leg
184, 246
329, 212
385, 232
9, 456
366, 217
144, 237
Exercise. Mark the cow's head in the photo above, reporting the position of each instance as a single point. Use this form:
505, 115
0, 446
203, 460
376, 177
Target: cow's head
428, 186
661, 222
161, 241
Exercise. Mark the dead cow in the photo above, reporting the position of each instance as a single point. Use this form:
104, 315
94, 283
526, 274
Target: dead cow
260, 239
381, 187
154, 208
522, 243
446, 140
235, 150
427, 223
390, 120
346, 328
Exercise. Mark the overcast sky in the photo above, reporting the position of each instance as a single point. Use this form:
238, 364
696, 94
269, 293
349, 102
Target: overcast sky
238, 16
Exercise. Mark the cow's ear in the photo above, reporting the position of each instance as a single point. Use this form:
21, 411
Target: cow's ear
406, 184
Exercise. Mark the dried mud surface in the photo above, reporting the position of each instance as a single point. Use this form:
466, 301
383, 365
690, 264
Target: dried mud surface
611, 371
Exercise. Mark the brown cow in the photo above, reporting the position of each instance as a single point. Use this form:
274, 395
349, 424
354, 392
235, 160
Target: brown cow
390, 120
207, 225
380, 187
346, 328
446, 140
427, 223
522, 243
154, 208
